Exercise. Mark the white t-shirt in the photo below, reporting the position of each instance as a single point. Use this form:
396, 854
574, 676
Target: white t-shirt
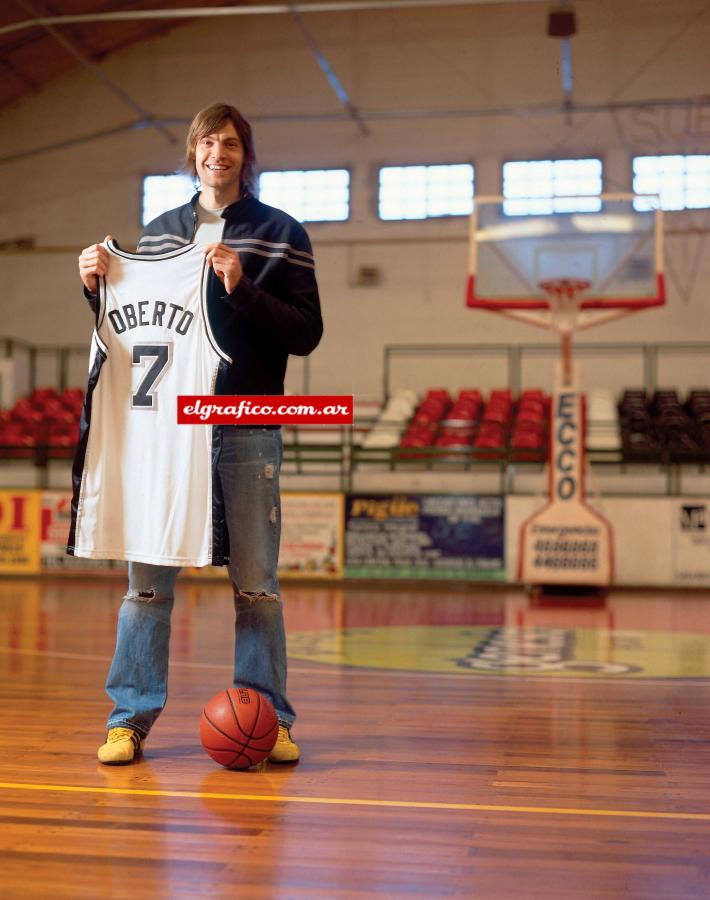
210, 224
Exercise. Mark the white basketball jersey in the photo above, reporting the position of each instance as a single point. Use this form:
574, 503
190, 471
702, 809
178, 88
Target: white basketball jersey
145, 488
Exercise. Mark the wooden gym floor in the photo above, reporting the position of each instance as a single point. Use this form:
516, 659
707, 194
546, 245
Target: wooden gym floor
457, 742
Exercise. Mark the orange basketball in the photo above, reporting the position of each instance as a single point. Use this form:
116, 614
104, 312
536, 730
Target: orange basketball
238, 728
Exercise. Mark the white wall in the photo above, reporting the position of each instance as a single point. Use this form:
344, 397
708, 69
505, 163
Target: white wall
447, 60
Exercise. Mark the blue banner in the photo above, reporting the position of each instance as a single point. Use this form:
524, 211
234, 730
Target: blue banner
425, 536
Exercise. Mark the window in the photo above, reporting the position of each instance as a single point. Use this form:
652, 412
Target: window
681, 182
163, 192
313, 195
547, 186
425, 192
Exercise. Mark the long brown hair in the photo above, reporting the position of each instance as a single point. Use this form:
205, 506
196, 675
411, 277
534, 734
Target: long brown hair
209, 120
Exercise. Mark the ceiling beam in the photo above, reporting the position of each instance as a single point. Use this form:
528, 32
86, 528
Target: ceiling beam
566, 70
556, 109
200, 12
101, 76
566, 66
327, 70
20, 75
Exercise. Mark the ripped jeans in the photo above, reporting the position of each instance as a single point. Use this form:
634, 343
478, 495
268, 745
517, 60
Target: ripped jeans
137, 681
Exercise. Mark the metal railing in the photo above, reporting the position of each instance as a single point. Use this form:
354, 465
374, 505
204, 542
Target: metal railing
647, 356
343, 458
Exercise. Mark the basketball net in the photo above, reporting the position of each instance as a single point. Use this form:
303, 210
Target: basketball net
565, 313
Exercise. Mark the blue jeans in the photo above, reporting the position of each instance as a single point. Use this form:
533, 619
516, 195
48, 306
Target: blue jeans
137, 682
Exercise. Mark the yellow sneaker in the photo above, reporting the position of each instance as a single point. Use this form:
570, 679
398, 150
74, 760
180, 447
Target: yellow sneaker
285, 750
121, 747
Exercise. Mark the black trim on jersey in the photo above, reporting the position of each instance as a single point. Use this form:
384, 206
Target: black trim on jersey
220, 534
169, 254
204, 287
77, 472
100, 312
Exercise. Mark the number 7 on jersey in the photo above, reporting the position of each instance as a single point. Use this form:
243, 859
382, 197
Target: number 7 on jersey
161, 354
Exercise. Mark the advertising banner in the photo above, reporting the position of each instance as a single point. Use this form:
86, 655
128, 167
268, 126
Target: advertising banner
19, 532
311, 538
567, 542
457, 536
55, 521
690, 530
311, 535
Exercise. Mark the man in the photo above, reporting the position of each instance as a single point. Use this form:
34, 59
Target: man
262, 305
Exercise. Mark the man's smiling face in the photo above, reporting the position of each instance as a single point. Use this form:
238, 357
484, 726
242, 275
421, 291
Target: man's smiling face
218, 160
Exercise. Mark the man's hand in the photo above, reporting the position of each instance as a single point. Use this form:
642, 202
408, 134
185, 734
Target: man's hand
225, 263
93, 262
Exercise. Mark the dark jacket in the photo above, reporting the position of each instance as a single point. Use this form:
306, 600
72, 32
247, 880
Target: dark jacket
273, 311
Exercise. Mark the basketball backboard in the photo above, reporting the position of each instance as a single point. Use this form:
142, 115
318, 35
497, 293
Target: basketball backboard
611, 252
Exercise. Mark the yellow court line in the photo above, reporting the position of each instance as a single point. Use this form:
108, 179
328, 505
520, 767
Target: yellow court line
350, 801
